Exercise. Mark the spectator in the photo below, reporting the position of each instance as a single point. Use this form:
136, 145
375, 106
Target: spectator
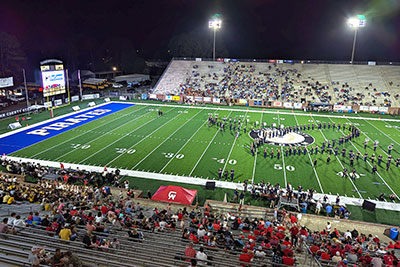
65, 233
4, 226
337, 258
190, 252
201, 257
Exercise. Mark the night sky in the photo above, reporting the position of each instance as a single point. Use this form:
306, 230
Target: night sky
301, 29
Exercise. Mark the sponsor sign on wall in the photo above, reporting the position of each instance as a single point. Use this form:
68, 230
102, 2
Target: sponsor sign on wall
373, 108
216, 100
176, 98
277, 104
199, 98
298, 105
6, 82
383, 109
153, 96
364, 108
287, 105
207, 99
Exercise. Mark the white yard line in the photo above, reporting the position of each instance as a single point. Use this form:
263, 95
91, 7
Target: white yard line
312, 164
233, 145
255, 158
91, 141
383, 180
166, 139
126, 136
338, 159
283, 156
205, 150
201, 126
382, 132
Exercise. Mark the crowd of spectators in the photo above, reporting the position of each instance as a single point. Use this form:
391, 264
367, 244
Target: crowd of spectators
272, 82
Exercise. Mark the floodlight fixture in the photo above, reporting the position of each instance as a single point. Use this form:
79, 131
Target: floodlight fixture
214, 24
356, 22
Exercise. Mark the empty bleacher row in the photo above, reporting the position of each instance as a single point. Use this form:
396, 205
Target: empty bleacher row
332, 83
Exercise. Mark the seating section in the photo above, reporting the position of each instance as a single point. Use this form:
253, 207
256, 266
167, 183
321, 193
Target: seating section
333, 83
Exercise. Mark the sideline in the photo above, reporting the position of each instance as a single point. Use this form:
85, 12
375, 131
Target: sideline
200, 181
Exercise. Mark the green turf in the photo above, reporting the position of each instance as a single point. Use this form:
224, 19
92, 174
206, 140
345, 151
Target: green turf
180, 142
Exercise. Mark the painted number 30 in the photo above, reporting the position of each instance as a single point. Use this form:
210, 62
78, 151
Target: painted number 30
279, 167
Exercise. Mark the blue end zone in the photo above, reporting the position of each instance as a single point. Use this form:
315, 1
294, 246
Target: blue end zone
28, 137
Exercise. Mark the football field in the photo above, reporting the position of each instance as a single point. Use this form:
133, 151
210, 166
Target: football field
181, 142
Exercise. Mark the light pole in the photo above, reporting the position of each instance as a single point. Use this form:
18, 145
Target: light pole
214, 24
357, 22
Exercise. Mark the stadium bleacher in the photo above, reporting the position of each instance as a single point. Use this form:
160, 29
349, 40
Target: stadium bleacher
328, 83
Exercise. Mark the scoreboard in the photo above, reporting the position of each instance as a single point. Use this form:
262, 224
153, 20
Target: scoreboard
53, 78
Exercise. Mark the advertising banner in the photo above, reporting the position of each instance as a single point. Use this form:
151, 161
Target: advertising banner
277, 104
207, 99
74, 98
383, 109
279, 61
176, 98
342, 107
242, 101
58, 102
272, 61
168, 97
298, 105
199, 98
6, 82
373, 108
153, 96
198, 59
364, 108
144, 96
190, 97
216, 100
287, 105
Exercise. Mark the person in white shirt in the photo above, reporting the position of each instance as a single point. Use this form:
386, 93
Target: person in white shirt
11, 219
201, 232
328, 227
347, 234
259, 252
18, 221
201, 257
318, 208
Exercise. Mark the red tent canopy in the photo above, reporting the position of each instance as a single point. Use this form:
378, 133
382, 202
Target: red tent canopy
175, 194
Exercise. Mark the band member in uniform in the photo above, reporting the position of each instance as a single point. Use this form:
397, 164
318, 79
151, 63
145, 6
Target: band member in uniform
220, 173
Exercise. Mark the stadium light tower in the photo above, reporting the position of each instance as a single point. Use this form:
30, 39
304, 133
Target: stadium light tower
356, 22
214, 24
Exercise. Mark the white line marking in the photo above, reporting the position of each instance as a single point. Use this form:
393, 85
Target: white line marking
201, 126
166, 139
255, 158
127, 135
234, 141
283, 156
371, 167
338, 160
312, 164
205, 150
268, 111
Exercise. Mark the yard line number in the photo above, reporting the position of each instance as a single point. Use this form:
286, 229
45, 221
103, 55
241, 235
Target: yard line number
288, 167
222, 161
171, 155
125, 150
76, 146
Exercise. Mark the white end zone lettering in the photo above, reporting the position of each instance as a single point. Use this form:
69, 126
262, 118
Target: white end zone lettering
41, 132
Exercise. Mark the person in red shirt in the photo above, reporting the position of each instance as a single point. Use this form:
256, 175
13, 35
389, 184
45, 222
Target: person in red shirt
246, 256
293, 219
280, 235
251, 236
190, 252
366, 259
288, 252
325, 256
104, 210
287, 242
294, 231
314, 249
288, 261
